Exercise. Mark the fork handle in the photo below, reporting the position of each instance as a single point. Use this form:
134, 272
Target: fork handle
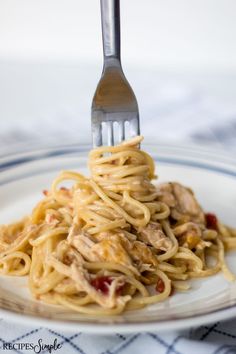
110, 13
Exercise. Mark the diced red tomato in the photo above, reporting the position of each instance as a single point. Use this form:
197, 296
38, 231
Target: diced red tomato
45, 192
64, 189
211, 221
160, 287
102, 284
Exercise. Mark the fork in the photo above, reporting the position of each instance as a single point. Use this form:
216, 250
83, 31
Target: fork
114, 103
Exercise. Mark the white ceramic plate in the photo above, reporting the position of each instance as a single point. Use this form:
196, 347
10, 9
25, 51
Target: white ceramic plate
210, 175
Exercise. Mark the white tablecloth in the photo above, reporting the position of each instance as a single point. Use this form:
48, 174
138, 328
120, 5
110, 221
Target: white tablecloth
170, 110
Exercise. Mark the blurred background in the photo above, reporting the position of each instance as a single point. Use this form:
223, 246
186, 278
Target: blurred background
179, 56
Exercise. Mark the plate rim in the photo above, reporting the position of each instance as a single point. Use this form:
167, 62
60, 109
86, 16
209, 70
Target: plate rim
110, 328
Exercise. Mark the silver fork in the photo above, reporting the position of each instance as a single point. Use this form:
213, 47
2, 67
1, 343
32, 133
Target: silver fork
114, 102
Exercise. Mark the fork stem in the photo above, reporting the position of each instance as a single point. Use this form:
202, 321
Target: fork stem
110, 13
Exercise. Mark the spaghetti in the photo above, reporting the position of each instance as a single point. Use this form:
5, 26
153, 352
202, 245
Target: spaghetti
114, 241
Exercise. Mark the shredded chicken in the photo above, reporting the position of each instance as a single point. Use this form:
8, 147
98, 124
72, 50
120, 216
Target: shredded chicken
51, 219
84, 245
152, 234
166, 194
82, 283
139, 252
74, 230
109, 249
82, 278
67, 286
146, 268
188, 227
203, 244
181, 201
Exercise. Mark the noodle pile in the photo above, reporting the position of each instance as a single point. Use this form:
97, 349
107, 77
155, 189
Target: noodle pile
114, 241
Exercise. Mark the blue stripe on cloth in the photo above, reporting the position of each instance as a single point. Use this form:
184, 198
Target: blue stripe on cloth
26, 335
220, 350
121, 336
209, 330
175, 341
68, 340
122, 346
162, 342
224, 333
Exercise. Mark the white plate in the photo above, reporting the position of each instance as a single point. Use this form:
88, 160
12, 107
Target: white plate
211, 176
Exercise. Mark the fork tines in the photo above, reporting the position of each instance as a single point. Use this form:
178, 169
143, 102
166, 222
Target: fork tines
112, 128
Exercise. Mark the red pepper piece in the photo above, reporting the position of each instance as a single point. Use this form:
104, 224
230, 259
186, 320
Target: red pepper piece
64, 189
102, 284
211, 221
160, 287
